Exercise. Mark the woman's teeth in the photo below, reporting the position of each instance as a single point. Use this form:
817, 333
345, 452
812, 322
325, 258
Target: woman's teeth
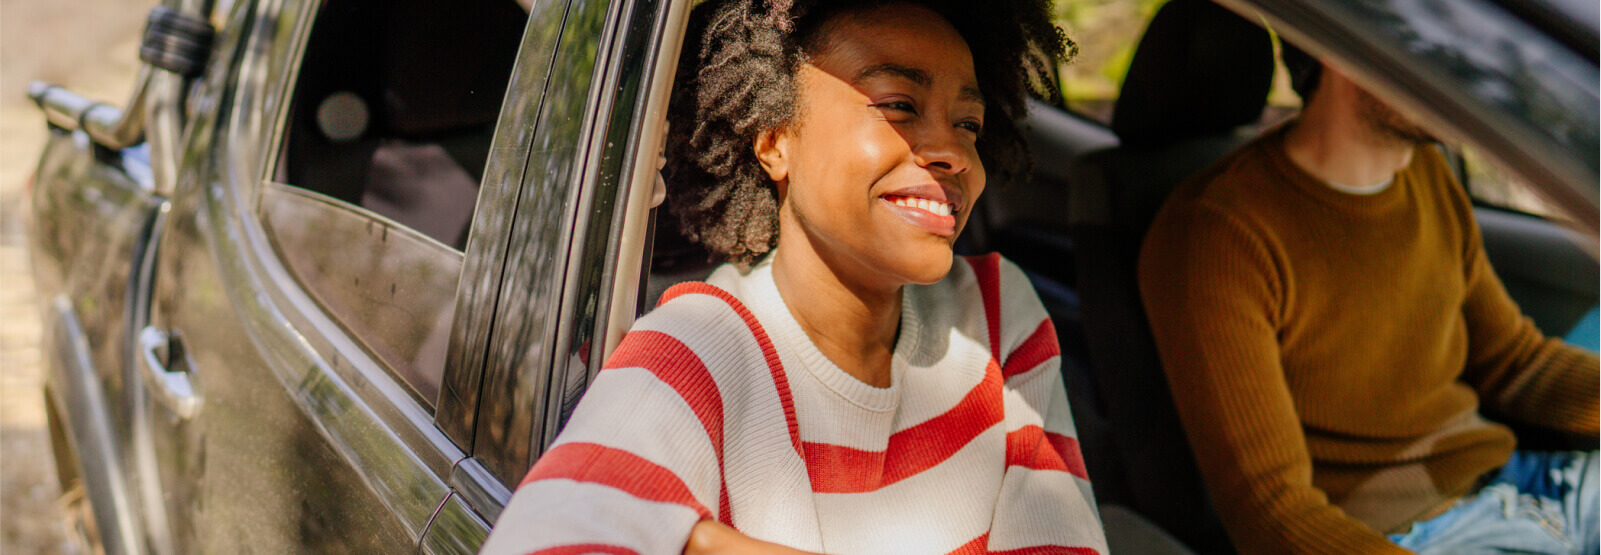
936, 208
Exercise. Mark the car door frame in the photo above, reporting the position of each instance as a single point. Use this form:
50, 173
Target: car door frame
596, 125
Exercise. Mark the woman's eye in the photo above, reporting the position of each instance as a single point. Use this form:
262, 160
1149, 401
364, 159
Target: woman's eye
976, 127
897, 105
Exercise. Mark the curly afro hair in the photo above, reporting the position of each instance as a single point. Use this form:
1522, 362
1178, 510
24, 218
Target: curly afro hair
738, 78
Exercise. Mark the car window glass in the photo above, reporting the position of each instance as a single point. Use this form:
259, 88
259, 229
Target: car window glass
377, 179
1108, 32
1489, 185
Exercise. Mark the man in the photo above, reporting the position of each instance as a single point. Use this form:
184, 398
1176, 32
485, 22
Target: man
1330, 327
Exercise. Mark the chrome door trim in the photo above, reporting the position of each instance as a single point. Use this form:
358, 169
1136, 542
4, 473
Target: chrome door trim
478, 291
479, 488
626, 246
145, 473
74, 383
517, 372
456, 529
365, 417
1549, 137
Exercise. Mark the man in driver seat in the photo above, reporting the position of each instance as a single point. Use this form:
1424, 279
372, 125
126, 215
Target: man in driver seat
1330, 327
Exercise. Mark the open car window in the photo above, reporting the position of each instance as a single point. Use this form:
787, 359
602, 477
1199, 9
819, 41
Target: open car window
377, 177
1107, 32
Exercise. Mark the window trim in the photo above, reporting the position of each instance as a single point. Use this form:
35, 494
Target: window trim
608, 50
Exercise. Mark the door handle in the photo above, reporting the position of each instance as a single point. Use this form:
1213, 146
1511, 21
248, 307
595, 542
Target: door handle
171, 387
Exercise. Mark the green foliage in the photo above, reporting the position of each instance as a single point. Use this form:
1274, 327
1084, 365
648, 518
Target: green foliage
1107, 32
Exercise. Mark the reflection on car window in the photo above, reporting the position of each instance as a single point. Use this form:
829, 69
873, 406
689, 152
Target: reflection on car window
1489, 185
385, 144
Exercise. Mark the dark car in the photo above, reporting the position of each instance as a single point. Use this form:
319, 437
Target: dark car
335, 275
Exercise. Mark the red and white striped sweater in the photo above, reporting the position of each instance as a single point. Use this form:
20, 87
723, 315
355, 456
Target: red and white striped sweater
717, 406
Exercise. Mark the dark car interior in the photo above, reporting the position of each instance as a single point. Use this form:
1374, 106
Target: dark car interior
1196, 89
396, 106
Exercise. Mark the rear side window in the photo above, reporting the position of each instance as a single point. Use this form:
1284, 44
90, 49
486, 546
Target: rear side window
376, 182
395, 106
1107, 33
1490, 186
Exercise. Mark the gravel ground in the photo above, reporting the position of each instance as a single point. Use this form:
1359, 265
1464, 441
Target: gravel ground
88, 45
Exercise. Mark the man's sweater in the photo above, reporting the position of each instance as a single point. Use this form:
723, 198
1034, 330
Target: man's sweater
1329, 352
717, 406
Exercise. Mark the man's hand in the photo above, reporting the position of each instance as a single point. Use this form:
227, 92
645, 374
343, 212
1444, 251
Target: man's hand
714, 538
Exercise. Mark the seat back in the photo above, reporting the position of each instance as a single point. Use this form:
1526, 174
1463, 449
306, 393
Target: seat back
1199, 76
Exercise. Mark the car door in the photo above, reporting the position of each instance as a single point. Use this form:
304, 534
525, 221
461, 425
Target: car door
321, 270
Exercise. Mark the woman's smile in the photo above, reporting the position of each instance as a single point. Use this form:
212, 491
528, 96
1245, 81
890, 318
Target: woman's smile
929, 207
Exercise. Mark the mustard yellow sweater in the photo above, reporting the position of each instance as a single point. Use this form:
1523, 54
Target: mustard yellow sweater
1329, 352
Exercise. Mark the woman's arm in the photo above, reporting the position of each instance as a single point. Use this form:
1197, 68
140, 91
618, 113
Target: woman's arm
1045, 498
635, 468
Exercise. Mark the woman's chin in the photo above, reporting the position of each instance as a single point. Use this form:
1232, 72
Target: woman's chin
926, 266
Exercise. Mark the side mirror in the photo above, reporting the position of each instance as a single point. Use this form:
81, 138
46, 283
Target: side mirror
174, 50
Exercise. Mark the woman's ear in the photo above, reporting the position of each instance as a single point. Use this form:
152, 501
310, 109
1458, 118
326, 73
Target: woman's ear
772, 148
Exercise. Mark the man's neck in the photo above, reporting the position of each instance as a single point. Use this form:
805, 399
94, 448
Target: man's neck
1345, 151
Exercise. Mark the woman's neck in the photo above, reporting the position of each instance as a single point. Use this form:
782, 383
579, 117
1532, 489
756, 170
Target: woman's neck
852, 323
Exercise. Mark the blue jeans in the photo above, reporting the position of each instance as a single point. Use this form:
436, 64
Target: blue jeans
1539, 503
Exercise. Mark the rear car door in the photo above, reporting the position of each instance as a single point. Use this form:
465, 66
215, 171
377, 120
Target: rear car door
319, 275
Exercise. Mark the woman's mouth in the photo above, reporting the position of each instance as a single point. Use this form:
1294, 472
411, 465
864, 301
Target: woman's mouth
929, 215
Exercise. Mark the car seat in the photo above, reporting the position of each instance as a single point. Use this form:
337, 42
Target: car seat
1199, 77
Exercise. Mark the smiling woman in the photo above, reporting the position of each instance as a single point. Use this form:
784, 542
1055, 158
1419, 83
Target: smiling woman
844, 385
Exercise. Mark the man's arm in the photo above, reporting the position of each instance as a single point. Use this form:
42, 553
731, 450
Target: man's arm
1518, 371
1212, 292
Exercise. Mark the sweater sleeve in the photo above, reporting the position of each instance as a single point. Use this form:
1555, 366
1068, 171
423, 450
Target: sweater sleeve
1213, 292
636, 466
1045, 498
1518, 371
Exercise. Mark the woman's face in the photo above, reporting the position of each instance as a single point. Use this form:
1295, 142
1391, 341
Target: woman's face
878, 174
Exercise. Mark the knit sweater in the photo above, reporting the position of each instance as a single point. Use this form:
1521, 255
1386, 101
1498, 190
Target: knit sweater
1328, 352
716, 405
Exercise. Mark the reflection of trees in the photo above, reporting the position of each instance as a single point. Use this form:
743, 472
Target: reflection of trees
535, 273
1506, 65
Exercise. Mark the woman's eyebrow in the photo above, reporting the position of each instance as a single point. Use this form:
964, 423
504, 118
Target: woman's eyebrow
918, 76
912, 74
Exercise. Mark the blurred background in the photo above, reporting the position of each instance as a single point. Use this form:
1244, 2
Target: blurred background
90, 45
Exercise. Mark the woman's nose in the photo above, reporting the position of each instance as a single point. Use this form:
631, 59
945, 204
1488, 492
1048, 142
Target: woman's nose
944, 148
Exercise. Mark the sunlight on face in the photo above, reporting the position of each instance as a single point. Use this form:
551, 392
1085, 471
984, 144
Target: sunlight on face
879, 175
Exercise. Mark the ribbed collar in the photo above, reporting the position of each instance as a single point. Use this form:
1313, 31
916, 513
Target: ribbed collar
1375, 204
787, 334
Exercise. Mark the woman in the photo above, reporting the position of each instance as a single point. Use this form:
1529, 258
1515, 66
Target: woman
844, 385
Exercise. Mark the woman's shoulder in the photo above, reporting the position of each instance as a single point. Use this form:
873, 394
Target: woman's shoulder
986, 291
697, 309
997, 281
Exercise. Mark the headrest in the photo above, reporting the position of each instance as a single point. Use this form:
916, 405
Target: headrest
1199, 70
